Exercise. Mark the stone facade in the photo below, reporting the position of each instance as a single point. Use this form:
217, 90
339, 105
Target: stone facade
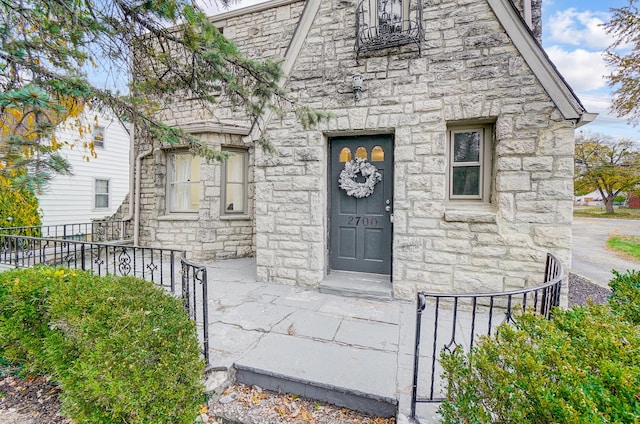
205, 234
470, 72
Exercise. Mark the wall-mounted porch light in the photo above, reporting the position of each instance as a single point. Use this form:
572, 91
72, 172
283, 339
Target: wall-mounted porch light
356, 83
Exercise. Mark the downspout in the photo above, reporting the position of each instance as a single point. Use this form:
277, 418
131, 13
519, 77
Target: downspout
134, 191
136, 209
132, 171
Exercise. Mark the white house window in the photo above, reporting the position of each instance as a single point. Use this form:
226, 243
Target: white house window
470, 167
98, 136
101, 194
184, 182
234, 182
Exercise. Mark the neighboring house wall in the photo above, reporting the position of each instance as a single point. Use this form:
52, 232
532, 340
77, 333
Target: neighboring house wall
471, 80
98, 186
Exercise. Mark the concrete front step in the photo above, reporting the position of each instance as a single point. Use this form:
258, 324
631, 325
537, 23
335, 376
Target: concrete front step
339, 374
357, 284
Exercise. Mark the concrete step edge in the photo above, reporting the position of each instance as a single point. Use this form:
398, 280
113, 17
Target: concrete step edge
370, 403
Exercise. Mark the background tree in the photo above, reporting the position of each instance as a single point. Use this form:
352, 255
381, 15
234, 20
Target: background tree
19, 208
624, 26
49, 47
607, 165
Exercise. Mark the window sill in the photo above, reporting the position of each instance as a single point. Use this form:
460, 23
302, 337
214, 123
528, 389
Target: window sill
243, 217
179, 217
479, 213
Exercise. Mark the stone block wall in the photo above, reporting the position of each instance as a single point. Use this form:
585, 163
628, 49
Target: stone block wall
469, 72
262, 35
204, 234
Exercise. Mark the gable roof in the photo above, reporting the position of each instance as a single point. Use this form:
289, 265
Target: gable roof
509, 17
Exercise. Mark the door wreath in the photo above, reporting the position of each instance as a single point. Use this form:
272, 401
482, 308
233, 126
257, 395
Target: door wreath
349, 174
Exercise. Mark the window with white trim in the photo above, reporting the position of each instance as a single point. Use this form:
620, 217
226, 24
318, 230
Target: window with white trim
234, 182
98, 136
183, 189
100, 193
470, 163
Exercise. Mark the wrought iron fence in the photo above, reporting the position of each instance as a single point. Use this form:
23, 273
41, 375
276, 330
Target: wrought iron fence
166, 268
458, 319
95, 231
193, 277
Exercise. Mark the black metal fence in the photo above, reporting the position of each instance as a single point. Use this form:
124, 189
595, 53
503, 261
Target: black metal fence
167, 268
456, 320
95, 231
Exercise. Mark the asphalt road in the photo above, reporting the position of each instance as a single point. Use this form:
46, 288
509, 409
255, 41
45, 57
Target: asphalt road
591, 258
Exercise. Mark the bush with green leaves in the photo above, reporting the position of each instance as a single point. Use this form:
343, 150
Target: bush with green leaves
121, 349
581, 367
625, 298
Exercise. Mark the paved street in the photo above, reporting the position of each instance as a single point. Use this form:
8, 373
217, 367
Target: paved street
590, 256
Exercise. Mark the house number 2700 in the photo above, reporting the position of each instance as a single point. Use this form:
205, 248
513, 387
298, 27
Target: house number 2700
365, 221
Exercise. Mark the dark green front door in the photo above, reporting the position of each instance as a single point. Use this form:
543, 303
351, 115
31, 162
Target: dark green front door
361, 228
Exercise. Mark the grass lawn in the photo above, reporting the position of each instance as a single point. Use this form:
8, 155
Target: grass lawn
626, 244
600, 212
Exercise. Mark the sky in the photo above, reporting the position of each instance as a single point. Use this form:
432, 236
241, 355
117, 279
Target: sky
575, 40
573, 36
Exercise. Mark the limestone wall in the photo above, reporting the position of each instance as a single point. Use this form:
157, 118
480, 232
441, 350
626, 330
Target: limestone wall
469, 72
204, 234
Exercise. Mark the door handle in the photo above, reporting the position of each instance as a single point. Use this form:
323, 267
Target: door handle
387, 208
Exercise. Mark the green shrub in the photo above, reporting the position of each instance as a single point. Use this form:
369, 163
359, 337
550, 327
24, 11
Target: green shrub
625, 297
581, 367
121, 349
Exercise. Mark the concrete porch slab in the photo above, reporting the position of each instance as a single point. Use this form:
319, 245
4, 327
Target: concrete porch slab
339, 374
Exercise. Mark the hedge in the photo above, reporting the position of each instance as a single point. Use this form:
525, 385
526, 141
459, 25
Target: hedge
581, 367
121, 349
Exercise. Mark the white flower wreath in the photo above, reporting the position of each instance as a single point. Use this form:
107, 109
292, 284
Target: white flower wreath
348, 176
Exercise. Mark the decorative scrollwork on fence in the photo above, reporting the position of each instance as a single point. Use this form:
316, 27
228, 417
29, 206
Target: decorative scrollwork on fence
124, 262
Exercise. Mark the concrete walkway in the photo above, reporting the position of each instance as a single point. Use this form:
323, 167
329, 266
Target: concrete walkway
291, 335
591, 258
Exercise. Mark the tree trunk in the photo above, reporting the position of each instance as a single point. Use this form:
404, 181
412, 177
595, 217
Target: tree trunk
608, 204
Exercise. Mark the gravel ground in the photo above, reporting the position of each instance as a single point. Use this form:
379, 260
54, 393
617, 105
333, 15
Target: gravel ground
581, 291
35, 400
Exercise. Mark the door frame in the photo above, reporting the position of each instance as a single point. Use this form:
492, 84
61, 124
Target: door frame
336, 136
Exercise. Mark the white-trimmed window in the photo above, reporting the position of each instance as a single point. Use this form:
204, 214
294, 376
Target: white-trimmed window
183, 190
470, 163
100, 193
234, 182
99, 133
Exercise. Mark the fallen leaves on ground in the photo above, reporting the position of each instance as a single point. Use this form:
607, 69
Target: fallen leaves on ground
254, 405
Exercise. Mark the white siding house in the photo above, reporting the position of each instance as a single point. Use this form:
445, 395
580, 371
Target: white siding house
98, 186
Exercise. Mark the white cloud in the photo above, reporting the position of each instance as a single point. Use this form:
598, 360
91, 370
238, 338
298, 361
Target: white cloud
583, 70
576, 28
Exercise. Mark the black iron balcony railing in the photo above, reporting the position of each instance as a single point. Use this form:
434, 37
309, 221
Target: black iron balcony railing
382, 24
